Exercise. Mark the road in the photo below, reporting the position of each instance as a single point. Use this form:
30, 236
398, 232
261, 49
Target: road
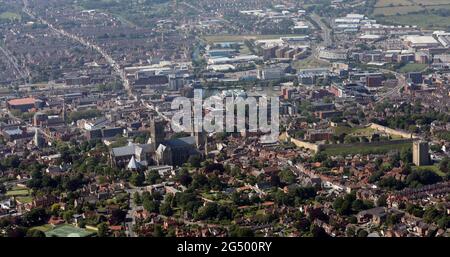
14, 63
326, 32
396, 91
131, 220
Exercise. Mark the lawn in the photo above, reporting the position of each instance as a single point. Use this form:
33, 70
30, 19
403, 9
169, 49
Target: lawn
404, 12
25, 199
367, 149
309, 63
353, 131
43, 228
10, 16
428, 21
18, 192
413, 67
66, 230
386, 3
392, 11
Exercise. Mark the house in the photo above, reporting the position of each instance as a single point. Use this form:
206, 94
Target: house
375, 215
54, 221
77, 218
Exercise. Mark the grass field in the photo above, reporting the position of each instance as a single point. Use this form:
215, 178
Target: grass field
25, 199
354, 131
66, 230
413, 67
368, 149
386, 3
18, 192
404, 12
43, 228
421, 20
10, 16
388, 11
310, 63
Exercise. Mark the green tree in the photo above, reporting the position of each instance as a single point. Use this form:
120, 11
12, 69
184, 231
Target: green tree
102, 229
153, 177
151, 205
137, 179
165, 209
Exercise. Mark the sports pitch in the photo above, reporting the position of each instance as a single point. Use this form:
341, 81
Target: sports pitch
68, 231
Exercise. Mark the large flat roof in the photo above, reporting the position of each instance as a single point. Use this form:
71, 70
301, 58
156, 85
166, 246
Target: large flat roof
422, 40
22, 101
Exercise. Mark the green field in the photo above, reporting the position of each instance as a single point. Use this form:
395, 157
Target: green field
354, 131
389, 11
413, 12
18, 192
413, 67
43, 228
10, 16
421, 20
66, 230
25, 199
386, 3
310, 63
368, 149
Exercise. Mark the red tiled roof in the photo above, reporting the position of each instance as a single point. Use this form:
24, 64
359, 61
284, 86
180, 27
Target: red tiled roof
115, 228
22, 101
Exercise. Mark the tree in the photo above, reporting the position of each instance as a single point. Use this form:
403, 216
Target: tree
55, 209
303, 224
35, 216
165, 209
287, 177
184, 178
444, 165
237, 231
117, 216
357, 205
102, 230
362, 233
209, 211
382, 201
137, 198
35, 233
350, 231
153, 177
317, 231
158, 231
67, 216
137, 179
150, 205
195, 161
406, 155
2, 189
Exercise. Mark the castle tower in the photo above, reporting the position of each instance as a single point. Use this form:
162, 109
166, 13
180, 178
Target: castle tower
421, 154
157, 132
37, 139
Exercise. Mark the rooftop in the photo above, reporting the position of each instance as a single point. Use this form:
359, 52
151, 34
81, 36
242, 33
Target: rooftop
22, 101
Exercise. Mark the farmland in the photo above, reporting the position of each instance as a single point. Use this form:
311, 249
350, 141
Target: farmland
413, 12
